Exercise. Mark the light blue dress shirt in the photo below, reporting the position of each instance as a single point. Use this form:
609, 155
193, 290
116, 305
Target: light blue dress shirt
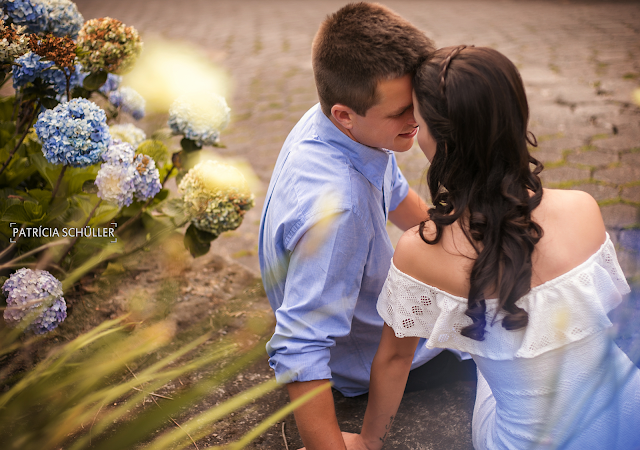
325, 253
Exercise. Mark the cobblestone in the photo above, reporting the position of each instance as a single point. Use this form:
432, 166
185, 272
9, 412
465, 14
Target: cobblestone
631, 194
574, 57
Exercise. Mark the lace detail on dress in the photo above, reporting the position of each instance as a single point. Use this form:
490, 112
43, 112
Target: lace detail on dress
563, 310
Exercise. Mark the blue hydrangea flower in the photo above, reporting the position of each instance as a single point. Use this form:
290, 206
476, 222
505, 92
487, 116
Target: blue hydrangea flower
128, 132
112, 83
74, 133
32, 66
116, 183
129, 100
199, 117
147, 177
30, 13
119, 152
63, 18
25, 291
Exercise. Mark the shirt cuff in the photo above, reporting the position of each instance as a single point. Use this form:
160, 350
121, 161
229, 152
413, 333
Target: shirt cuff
301, 366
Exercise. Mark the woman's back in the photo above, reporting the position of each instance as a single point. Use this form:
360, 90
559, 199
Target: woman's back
558, 382
573, 231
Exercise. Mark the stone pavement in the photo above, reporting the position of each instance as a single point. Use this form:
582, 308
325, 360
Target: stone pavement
580, 61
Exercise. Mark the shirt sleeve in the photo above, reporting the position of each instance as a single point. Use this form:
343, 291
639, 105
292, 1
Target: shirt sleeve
399, 186
322, 287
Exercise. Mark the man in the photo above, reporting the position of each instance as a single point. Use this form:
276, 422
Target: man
324, 249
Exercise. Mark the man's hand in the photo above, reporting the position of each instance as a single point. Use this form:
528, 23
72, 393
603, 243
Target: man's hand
352, 441
316, 419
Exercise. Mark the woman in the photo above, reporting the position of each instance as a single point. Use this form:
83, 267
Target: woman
519, 276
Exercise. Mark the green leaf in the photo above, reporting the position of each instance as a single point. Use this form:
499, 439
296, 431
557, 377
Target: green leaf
48, 171
189, 145
42, 196
104, 214
193, 243
49, 102
155, 149
16, 213
163, 194
6, 108
89, 187
77, 177
175, 208
59, 207
80, 92
95, 80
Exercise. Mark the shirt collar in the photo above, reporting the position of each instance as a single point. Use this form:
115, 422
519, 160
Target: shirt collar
370, 162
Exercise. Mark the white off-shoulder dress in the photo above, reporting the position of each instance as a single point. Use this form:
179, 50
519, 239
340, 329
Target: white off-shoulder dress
560, 382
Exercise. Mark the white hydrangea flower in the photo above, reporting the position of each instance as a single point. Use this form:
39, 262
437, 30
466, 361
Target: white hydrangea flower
128, 132
116, 183
216, 196
199, 117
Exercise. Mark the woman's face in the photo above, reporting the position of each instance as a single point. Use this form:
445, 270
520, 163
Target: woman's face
425, 140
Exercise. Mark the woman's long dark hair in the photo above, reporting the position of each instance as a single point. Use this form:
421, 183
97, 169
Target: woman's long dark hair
474, 103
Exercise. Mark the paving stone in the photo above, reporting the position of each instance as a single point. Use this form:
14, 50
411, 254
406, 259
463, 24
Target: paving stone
598, 191
620, 215
593, 158
618, 175
564, 174
631, 194
633, 158
618, 143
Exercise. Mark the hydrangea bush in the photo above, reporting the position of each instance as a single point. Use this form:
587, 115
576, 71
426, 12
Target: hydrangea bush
199, 117
54, 120
107, 44
74, 133
26, 290
216, 196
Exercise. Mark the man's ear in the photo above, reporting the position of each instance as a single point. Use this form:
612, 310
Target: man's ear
343, 115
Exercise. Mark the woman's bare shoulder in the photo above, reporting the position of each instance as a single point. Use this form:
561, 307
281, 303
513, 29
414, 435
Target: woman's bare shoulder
440, 265
572, 213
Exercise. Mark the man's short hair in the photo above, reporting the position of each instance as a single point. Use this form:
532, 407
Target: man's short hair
360, 45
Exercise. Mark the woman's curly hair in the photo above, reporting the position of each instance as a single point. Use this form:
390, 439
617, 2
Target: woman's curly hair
474, 104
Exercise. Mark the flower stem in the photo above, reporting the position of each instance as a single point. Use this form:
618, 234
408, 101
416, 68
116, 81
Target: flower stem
68, 77
166, 177
13, 244
75, 239
136, 217
55, 189
24, 135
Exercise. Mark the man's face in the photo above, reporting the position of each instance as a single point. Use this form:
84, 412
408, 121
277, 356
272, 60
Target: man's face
388, 124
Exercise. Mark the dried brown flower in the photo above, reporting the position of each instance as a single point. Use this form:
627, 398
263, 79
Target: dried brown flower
60, 50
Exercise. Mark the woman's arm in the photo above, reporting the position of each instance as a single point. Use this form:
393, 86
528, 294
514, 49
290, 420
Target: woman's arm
389, 373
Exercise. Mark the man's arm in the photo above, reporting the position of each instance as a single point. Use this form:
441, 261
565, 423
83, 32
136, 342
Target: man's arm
410, 212
316, 419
